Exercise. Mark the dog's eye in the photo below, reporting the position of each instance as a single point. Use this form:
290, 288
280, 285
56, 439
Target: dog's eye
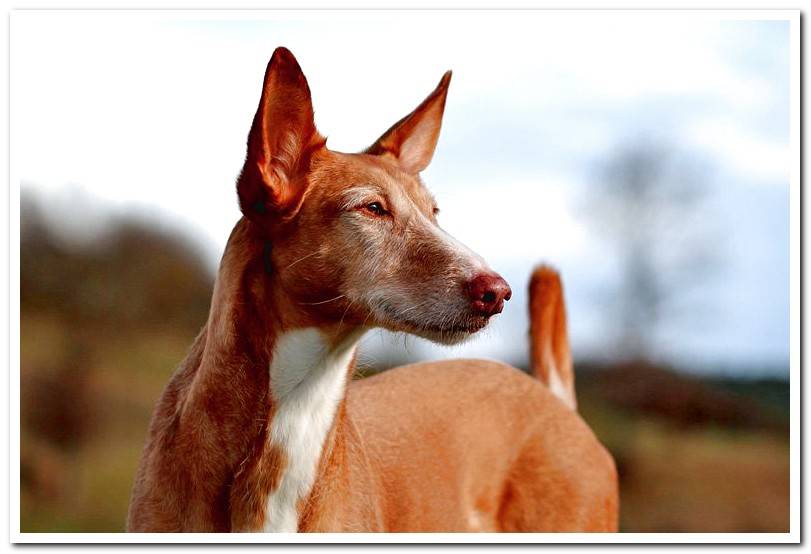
436, 212
376, 208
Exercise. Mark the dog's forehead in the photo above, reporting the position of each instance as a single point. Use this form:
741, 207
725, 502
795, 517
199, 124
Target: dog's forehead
349, 170
391, 176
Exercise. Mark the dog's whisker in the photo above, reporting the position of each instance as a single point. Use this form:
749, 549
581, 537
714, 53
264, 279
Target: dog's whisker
311, 254
322, 301
340, 323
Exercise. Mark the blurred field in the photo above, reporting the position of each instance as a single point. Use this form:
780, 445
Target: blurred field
711, 461
104, 323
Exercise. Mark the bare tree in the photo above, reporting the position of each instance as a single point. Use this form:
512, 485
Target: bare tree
646, 204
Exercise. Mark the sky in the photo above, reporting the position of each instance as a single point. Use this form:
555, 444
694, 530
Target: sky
148, 112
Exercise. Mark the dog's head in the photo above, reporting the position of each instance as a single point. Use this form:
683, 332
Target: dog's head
354, 237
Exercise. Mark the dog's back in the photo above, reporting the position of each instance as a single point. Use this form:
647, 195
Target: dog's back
504, 454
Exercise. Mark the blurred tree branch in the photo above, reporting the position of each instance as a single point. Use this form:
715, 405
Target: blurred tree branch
646, 205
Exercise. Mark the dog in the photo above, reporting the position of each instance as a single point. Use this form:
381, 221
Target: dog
261, 427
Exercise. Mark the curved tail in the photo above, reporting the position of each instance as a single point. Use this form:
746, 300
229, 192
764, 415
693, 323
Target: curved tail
550, 357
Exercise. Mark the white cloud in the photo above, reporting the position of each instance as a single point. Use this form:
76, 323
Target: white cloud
750, 156
538, 214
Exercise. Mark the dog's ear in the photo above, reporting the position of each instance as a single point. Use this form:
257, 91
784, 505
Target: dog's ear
412, 140
282, 139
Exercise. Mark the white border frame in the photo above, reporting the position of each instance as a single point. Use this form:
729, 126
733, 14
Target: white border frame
792, 16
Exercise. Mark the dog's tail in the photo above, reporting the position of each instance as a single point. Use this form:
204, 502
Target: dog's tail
550, 356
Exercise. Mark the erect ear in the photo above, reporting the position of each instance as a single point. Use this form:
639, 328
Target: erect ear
412, 140
281, 141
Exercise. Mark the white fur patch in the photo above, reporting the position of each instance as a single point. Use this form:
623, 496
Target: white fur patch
556, 384
307, 380
558, 389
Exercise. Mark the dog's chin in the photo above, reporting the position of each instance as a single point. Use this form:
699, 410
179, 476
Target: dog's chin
448, 338
447, 334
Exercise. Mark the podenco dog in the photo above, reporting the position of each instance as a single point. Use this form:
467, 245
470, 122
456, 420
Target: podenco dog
261, 427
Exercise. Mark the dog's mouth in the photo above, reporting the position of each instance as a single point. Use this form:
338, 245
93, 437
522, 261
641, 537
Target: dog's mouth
452, 330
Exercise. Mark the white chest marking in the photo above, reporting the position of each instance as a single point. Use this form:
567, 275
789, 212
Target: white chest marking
307, 380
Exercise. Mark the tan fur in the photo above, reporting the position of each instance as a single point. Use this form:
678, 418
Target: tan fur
465, 445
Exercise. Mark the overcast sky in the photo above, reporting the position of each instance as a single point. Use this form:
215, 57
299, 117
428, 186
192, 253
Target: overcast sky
150, 111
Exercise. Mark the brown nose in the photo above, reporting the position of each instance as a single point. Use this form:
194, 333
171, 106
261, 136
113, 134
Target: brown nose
488, 291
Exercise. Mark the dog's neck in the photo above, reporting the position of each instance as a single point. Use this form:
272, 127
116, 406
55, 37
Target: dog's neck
254, 327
